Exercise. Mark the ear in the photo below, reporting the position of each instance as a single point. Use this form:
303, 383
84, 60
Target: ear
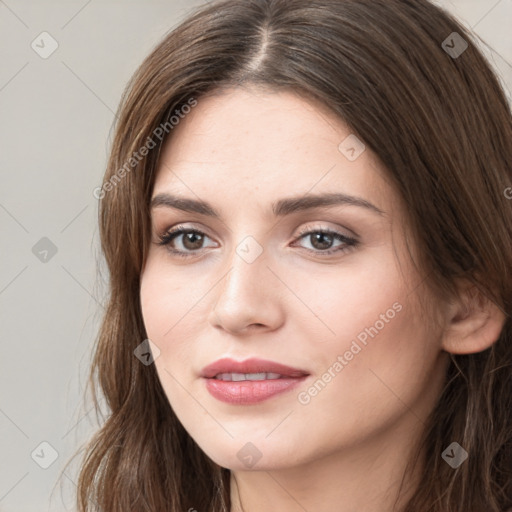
473, 322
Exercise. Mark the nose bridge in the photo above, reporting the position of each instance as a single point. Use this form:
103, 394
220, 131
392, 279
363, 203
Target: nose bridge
246, 294
247, 270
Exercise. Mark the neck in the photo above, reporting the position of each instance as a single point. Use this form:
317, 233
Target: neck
369, 478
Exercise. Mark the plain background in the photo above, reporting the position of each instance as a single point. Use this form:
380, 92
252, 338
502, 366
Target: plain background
56, 116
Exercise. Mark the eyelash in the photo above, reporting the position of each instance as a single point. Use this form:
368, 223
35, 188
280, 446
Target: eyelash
166, 238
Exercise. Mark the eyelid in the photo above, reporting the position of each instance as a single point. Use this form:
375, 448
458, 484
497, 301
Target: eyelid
347, 233
308, 228
182, 227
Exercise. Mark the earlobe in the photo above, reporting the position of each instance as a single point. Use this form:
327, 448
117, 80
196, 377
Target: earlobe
474, 322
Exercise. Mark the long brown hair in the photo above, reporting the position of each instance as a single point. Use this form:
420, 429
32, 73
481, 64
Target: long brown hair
435, 115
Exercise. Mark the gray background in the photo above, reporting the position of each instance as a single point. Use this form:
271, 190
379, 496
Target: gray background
56, 116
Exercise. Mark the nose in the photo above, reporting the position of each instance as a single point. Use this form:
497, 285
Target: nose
248, 297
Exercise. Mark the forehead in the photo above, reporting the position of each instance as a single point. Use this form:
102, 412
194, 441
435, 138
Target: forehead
259, 145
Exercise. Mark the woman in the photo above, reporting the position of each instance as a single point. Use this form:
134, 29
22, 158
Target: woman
306, 222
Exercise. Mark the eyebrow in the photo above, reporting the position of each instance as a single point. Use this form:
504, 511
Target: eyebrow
280, 208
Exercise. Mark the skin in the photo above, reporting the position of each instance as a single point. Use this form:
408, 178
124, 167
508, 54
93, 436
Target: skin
346, 448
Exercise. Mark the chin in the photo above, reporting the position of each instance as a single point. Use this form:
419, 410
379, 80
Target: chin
254, 455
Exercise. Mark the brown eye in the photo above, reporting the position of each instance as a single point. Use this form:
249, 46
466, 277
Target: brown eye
322, 240
182, 241
192, 240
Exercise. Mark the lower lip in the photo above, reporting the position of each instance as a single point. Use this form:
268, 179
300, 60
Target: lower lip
248, 392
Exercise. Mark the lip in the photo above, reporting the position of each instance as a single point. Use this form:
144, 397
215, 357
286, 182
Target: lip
252, 365
250, 392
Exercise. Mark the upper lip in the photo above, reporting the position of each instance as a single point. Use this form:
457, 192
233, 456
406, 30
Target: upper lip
253, 365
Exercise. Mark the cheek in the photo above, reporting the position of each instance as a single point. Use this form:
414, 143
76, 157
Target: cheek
167, 303
173, 311
383, 363
358, 299
155, 309
376, 344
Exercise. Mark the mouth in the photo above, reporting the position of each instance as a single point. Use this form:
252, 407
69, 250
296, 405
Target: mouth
238, 377
251, 381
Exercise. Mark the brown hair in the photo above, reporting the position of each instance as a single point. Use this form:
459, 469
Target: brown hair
442, 128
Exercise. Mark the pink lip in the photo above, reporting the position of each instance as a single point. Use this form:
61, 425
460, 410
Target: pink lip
253, 365
250, 392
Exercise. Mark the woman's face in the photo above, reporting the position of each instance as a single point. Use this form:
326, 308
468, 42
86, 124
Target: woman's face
274, 272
